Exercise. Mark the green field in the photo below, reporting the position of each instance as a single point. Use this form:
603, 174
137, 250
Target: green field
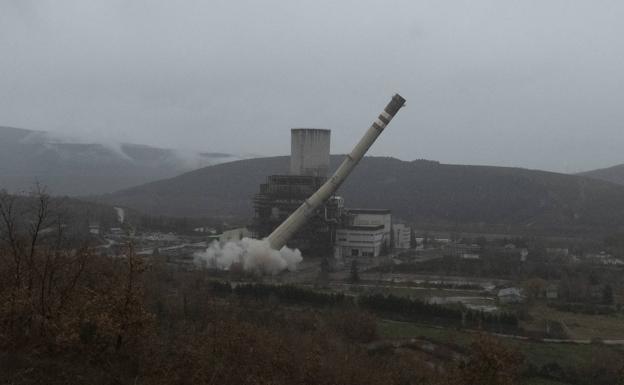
536, 353
398, 330
579, 326
425, 293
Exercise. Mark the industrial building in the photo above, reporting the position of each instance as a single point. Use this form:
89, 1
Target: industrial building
363, 232
235, 234
282, 194
348, 232
401, 236
309, 151
372, 217
356, 241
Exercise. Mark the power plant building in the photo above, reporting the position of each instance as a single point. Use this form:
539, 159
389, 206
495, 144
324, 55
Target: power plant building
401, 236
309, 151
373, 217
282, 194
348, 232
364, 233
359, 241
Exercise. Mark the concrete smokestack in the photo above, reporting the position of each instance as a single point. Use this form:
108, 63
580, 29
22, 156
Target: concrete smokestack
278, 238
309, 151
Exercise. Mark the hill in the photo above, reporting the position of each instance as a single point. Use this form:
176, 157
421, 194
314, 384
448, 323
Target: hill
69, 168
614, 174
418, 191
74, 215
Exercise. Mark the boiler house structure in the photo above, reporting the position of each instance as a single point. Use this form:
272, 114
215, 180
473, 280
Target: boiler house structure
333, 230
282, 194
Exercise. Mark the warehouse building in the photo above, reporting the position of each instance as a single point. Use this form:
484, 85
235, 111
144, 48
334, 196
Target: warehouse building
359, 241
372, 217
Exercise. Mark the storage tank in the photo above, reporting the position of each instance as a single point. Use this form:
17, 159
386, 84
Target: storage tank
309, 151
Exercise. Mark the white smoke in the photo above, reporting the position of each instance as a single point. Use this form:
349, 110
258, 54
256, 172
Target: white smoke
251, 254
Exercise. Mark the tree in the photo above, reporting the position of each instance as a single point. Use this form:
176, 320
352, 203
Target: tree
489, 363
52, 292
426, 240
385, 249
354, 276
29, 261
615, 243
482, 242
607, 295
413, 242
534, 287
130, 315
323, 277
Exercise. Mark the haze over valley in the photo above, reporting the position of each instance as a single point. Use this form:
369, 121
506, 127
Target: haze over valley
79, 167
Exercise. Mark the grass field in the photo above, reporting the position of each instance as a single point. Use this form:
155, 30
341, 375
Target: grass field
400, 290
536, 353
424, 293
397, 330
580, 326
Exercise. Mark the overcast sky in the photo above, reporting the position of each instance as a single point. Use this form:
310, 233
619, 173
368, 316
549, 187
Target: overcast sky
536, 84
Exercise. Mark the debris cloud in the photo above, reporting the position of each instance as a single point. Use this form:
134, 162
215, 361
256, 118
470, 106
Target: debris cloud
252, 255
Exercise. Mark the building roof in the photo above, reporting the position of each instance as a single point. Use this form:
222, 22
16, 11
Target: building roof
289, 178
510, 291
362, 228
324, 130
370, 211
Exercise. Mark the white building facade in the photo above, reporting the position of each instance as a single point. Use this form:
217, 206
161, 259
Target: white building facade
359, 241
373, 217
401, 236
234, 234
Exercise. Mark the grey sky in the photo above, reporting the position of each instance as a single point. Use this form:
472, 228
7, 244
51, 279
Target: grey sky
531, 83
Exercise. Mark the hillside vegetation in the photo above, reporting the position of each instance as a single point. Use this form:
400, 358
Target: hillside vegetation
419, 191
614, 174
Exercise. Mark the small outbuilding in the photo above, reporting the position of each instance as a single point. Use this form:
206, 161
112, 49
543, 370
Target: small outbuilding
511, 295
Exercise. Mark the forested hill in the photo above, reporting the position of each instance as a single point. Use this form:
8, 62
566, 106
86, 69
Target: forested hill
418, 191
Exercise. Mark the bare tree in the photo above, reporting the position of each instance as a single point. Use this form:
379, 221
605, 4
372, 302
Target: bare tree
40, 270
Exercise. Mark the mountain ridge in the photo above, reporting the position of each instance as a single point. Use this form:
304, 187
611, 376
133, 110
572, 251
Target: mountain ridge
78, 168
613, 174
416, 191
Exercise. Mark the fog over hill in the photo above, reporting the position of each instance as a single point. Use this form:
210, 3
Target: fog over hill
70, 167
417, 191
